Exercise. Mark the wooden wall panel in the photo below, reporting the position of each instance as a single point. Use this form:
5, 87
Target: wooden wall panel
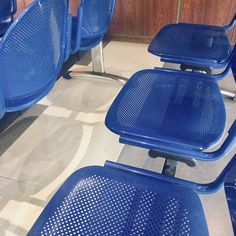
27, 2
20, 7
73, 6
140, 20
211, 12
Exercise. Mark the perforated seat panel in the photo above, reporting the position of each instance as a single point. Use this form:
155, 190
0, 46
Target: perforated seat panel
100, 201
192, 44
182, 109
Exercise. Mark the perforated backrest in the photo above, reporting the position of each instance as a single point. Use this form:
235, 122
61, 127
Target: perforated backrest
230, 192
96, 17
31, 53
7, 9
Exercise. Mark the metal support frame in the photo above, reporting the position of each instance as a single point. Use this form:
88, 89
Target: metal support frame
206, 70
98, 59
191, 162
169, 167
98, 67
201, 155
171, 161
199, 188
194, 68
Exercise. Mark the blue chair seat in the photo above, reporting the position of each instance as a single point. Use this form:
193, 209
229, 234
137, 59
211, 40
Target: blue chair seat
171, 108
23, 102
106, 201
192, 44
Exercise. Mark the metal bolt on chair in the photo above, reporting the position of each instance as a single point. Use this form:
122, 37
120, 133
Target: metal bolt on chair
178, 115
196, 47
88, 30
7, 11
31, 54
123, 200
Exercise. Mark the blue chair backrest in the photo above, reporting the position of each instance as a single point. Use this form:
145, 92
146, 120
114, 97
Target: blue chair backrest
32, 53
7, 9
96, 17
230, 192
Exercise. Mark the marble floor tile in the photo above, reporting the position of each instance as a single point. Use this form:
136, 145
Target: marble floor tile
18, 209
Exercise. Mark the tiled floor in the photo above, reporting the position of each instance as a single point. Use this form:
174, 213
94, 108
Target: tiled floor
65, 131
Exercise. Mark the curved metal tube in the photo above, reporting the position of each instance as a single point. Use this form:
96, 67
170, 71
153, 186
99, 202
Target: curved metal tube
184, 152
197, 187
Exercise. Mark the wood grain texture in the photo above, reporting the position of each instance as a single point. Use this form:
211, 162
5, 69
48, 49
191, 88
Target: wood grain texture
27, 2
210, 12
142, 18
20, 7
73, 6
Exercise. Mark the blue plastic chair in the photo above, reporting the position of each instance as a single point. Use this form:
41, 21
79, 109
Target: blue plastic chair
174, 112
91, 24
193, 44
32, 53
87, 33
7, 10
123, 200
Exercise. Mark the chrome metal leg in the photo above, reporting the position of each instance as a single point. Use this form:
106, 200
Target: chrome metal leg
228, 94
159, 154
98, 58
98, 67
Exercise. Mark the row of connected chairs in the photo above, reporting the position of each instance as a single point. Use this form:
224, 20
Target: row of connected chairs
177, 114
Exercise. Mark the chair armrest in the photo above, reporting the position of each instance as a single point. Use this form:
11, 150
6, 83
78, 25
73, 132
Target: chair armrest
181, 152
200, 188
